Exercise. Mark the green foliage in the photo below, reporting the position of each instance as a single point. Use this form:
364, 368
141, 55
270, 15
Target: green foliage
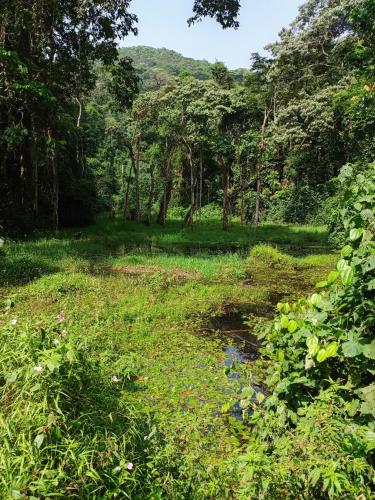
63, 424
321, 372
269, 256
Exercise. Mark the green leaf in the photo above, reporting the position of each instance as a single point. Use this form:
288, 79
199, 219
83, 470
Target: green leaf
322, 355
313, 345
315, 299
346, 251
332, 349
292, 326
332, 277
322, 284
352, 348
342, 264
347, 276
369, 350
355, 234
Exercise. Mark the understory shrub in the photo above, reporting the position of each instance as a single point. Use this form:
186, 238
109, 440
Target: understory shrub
269, 256
313, 436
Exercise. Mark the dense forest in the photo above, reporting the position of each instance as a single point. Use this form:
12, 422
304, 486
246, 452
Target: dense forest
268, 147
187, 258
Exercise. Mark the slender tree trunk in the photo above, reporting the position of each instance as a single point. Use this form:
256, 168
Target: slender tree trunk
242, 197
55, 180
190, 215
138, 214
151, 195
34, 164
259, 166
126, 198
226, 201
167, 194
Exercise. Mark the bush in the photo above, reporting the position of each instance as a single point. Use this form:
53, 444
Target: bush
318, 419
269, 256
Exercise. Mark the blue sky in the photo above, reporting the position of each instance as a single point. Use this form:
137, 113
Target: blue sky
162, 23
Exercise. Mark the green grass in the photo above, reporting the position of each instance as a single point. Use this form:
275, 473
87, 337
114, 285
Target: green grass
133, 313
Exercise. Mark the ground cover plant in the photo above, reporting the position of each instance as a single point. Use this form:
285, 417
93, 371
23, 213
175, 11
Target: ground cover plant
142, 386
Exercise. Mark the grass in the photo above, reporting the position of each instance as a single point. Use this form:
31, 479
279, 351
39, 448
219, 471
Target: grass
135, 314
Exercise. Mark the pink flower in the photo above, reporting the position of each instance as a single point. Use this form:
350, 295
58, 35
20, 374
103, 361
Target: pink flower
130, 466
14, 321
60, 317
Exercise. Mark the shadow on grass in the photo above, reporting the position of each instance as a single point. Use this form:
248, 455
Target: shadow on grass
69, 250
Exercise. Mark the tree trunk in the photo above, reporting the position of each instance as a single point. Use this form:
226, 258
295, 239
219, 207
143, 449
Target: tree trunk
138, 214
259, 166
226, 201
242, 197
193, 206
126, 199
34, 165
167, 194
151, 195
55, 177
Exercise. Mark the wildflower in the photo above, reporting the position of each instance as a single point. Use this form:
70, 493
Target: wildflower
55, 342
117, 469
64, 333
60, 317
114, 378
38, 368
130, 466
14, 321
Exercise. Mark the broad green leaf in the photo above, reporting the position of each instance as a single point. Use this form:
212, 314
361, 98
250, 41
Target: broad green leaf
342, 264
292, 326
332, 349
315, 299
284, 321
347, 276
346, 251
322, 355
322, 284
352, 348
312, 345
355, 233
369, 350
332, 277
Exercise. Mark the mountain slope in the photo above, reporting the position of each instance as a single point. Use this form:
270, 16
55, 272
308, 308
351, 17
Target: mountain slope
157, 66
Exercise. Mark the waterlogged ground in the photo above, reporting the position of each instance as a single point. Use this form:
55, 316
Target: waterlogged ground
177, 305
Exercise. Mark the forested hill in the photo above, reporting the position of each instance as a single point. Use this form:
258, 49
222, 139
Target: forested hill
157, 66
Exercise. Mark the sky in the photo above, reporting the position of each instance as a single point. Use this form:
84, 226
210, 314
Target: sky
162, 23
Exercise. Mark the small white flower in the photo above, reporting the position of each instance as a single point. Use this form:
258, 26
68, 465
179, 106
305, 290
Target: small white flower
55, 341
117, 469
38, 368
60, 317
64, 333
14, 321
114, 378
